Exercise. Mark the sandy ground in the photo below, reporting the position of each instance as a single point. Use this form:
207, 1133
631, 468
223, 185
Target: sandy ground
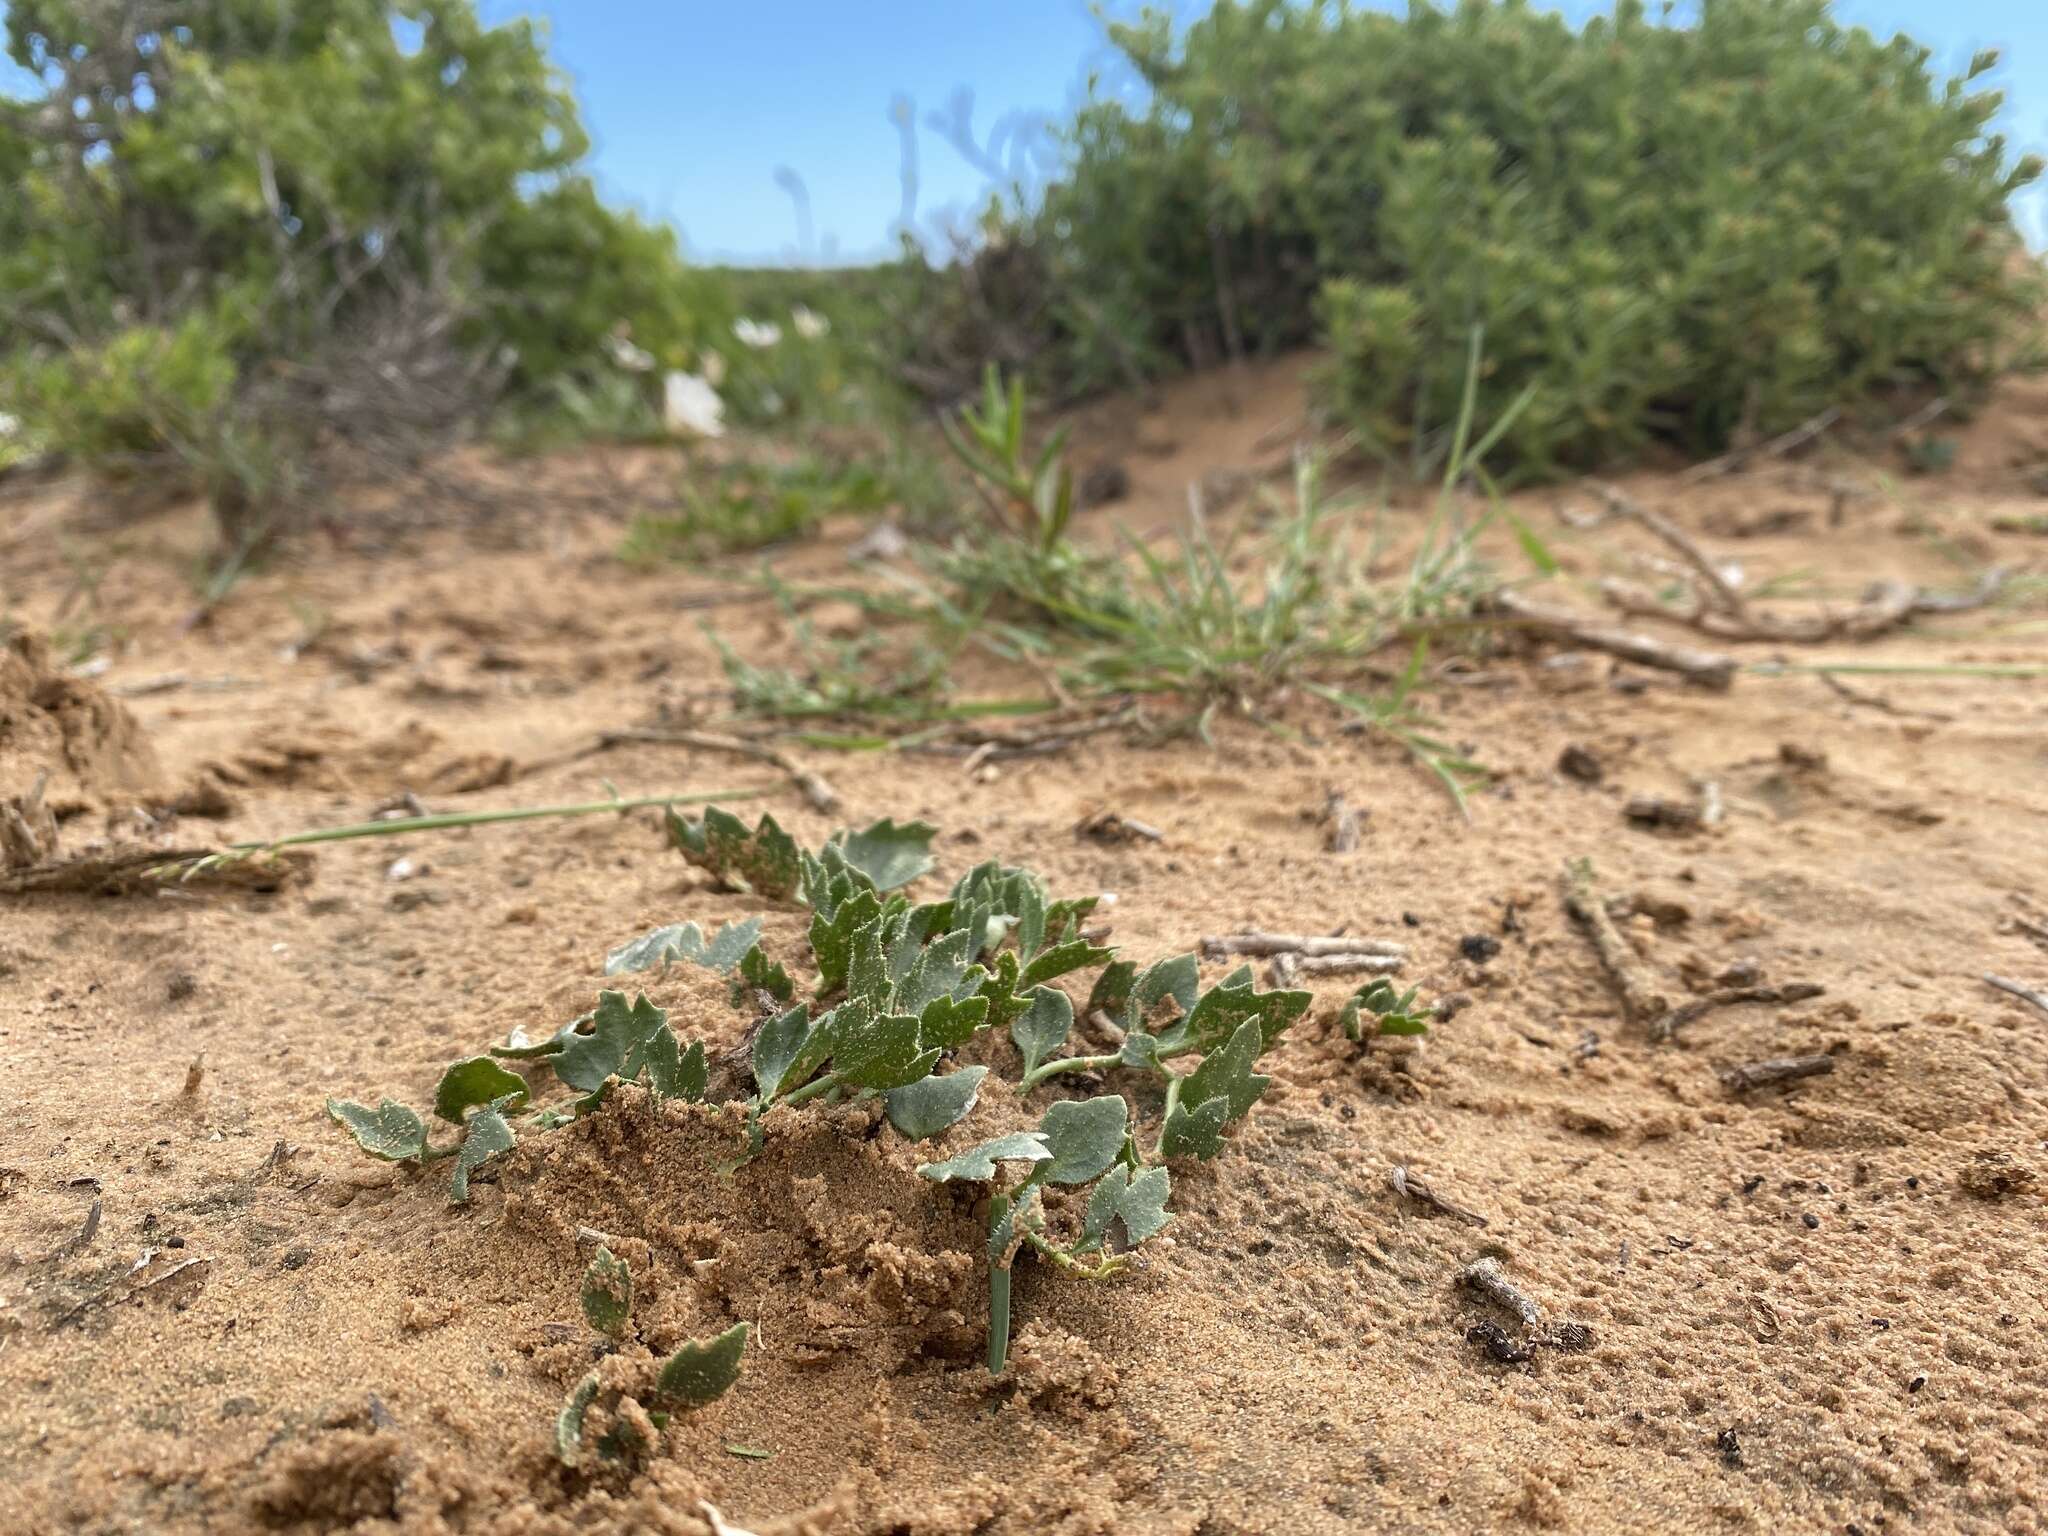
1821, 1307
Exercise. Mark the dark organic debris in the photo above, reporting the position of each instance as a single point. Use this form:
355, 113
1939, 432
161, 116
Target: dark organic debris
1112, 827
1499, 1344
1779, 1069
1685, 1013
1407, 1182
1575, 762
1662, 815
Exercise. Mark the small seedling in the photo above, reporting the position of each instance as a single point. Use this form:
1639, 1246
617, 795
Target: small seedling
698, 1373
1377, 1009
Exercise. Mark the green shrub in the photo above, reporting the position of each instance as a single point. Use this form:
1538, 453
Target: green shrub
294, 240
1676, 232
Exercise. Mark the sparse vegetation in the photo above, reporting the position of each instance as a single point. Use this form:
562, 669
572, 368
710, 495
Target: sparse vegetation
899, 988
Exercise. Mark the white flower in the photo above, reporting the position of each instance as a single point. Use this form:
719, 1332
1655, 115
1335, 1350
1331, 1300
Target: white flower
756, 333
9, 425
629, 357
691, 407
809, 323
712, 366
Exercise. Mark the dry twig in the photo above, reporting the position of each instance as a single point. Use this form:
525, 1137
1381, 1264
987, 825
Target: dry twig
1642, 998
1779, 1069
821, 796
1727, 997
1412, 1185
1217, 947
2024, 994
1777, 447
1709, 669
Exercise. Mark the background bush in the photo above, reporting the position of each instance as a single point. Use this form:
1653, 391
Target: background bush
290, 239
1676, 232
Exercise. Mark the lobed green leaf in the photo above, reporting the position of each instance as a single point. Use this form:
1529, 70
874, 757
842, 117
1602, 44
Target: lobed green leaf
686, 941
1085, 1137
489, 1134
1043, 1027
1125, 1208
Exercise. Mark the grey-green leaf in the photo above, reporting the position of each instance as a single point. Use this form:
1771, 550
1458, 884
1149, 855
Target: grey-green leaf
1194, 1131
776, 1048
889, 854
618, 1028
977, 1164
519, 1048
1076, 955
878, 1051
477, 1080
1085, 1137
765, 861
1228, 1073
1043, 1027
701, 1371
569, 1422
1223, 1008
926, 1108
686, 941
1112, 992
832, 937
489, 1134
390, 1131
608, 1293
757, 973
1126, 1208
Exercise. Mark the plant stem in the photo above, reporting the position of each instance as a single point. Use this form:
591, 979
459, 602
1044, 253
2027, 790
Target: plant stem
998, 1293
1047, 1069
403, 825
1113, 1265
811, 1090
1173, 1082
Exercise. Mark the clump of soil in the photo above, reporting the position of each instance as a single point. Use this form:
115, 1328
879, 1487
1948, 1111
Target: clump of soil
90, 753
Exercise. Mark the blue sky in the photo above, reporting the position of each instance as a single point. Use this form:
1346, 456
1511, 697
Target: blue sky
696, 104
708, 113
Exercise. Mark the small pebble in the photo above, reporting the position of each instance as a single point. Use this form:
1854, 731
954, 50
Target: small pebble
1812, 1221
1479, 947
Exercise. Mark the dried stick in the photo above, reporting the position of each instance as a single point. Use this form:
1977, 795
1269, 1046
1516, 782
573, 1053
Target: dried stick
1484, 1276
1340, 965
1777, 447
1709, 669
1642, 998
1686, 1013
1885, 607
1411, 1184
2024, 994
1256, 943
1779, 1069
811, 786
1718, 590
